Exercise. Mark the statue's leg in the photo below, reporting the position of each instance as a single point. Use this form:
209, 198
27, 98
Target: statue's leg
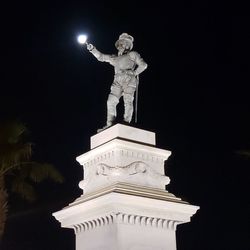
113, 100
128, 97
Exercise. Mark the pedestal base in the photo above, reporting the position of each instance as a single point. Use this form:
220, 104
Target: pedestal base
121, 236
125, 216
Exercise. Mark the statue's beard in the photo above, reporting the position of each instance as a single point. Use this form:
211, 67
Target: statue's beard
122, 51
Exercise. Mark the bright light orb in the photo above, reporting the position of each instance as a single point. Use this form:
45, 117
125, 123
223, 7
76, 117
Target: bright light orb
82, 39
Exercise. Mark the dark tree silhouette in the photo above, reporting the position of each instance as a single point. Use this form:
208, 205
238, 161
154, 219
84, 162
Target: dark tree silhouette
17, 169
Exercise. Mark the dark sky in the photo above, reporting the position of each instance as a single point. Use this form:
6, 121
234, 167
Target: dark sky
194, 96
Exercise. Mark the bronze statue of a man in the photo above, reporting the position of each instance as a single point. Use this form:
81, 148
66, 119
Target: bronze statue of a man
128, 65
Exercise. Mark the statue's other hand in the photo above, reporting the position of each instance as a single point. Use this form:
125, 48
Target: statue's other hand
131, 72
90, 46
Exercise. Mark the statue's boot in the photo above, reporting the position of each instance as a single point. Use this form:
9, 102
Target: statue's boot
128, 107
111, 111
109, 123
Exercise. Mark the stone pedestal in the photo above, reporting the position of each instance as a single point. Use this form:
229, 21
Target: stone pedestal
124, 205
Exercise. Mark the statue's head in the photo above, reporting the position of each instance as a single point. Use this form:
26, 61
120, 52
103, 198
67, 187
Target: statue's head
125, 42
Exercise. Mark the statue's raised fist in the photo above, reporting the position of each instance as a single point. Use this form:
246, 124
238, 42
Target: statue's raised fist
90, 46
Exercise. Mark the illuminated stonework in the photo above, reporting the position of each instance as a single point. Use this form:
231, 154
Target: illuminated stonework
131, 219
123, 158
125, 205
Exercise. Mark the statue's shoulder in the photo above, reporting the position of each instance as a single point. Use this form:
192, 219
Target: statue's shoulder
134, 54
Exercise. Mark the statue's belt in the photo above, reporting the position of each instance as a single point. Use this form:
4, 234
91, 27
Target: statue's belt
127, 72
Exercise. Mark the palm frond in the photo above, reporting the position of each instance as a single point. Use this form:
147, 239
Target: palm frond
17, 169
3, 209
12, 132
13, 154
12, 148
39, 172
245, 153
23, 188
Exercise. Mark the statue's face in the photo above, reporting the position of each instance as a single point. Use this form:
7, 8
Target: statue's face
123, 46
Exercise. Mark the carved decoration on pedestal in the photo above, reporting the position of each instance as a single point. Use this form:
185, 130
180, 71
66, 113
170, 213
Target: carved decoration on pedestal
123, 218
131, 169
137, 172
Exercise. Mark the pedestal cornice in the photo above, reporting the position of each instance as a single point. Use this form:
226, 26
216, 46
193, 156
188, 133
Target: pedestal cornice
128, 200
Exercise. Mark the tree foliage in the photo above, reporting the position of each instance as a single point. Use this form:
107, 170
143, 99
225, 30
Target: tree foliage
17, 168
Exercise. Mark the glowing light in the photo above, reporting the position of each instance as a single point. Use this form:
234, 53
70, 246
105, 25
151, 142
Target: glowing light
82, 39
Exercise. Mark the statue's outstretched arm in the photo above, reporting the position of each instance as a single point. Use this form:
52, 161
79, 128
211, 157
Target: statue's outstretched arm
141, 65
99, 55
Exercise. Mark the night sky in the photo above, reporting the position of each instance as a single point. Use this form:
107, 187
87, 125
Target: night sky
194, 95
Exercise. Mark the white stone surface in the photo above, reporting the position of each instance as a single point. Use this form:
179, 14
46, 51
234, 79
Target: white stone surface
128, 65
121, 236
122, 221
124, 132
125, 205
123, 161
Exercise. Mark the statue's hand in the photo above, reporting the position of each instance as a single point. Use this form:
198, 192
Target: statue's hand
90, 46
136, 73
131, 72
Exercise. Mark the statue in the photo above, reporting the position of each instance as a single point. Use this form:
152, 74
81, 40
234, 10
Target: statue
127, 65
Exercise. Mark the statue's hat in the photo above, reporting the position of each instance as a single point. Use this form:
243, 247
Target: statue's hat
127, 38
